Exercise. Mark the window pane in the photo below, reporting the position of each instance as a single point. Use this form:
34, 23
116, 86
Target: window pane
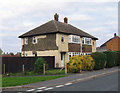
62, 38
34, 40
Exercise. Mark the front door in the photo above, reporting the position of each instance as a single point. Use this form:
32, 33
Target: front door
62, 59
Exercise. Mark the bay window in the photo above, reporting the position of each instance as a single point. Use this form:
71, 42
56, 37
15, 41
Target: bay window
86, 40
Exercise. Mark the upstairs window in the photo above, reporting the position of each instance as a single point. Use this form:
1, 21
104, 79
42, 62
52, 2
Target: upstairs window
26, 40
62, 38
93, 42
83, 41
74, 39
34, 40
86, 40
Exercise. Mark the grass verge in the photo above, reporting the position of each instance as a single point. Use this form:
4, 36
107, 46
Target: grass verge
31, 73
17, 81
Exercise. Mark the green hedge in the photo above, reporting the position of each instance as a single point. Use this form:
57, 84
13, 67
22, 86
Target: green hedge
100, 60
38, 66
111, 59
117, 58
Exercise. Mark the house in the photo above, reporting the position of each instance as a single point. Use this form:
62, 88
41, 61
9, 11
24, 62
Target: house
113, 44
58, 39
9, 55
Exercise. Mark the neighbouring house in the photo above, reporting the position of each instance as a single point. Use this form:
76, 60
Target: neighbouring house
58, 39
113, 44
8, 55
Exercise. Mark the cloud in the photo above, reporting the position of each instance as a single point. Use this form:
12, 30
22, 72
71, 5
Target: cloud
15, 8
97, 17
79, 17
29, 24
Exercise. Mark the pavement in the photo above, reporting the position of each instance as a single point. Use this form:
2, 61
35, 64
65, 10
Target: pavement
70, 79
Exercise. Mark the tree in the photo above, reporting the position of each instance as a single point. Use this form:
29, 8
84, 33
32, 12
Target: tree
1, 51
11, 53
38, 66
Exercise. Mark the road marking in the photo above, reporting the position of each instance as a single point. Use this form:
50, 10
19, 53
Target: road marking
59, 86
48, 88
30, 90
94, 76
41, 88
68, 83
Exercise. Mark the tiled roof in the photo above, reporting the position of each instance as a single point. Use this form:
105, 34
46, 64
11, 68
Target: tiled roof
54, 26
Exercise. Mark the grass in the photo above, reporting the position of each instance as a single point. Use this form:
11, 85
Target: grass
55, 71
31, 73
16, 81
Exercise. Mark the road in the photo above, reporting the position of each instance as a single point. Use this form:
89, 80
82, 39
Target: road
104, 83
107, 82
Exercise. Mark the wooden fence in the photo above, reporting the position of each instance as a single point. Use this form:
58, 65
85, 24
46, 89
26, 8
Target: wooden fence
16, 64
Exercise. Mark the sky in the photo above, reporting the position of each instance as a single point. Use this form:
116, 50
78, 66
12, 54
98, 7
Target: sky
96, 17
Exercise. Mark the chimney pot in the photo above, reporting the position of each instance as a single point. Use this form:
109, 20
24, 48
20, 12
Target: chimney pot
114, 34
65, 20
56, 16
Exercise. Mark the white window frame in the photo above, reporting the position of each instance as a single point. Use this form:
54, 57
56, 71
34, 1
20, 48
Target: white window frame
93, 43
73, 54
26, 54
74, 39
34, 38
84, 40
26, 40
62, 38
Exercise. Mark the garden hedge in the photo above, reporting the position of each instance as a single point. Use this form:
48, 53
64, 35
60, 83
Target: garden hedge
117, 58
78, 63
111, 59
100, 60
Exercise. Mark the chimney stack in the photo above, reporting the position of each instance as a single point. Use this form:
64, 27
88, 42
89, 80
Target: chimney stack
56, 16
114, 34
65, 20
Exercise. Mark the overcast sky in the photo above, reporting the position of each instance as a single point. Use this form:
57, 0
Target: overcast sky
98, 18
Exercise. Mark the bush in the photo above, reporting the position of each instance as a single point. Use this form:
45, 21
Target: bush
117, 58
38, 66
100, 60
83, 62
111, 59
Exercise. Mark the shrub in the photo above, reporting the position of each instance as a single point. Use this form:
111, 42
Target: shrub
100, 60
117, 58
83, 62
111, 58
38, 66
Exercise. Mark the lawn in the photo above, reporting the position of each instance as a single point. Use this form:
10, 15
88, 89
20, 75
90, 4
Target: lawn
48, 72
55, 71
17, 81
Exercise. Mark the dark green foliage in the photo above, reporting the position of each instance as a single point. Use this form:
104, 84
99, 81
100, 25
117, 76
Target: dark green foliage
100, 59
1, 51
11, 53
38, 66
111, 56
117, 58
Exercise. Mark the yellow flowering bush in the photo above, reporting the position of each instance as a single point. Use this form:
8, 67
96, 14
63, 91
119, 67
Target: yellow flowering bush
82, 62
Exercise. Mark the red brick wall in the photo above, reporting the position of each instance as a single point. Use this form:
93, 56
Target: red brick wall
86, 48
114, 44
73, 47
76, 48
